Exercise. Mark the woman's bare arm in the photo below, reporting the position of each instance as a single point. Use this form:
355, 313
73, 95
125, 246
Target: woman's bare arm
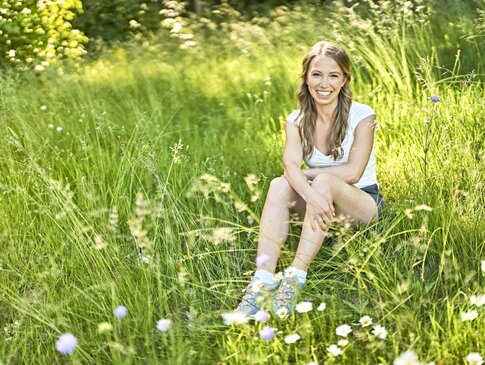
359, 154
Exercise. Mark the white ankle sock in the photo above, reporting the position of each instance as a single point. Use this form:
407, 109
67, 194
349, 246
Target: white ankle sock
264, 276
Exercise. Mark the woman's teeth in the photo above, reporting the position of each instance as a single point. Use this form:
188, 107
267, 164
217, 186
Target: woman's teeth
324, 93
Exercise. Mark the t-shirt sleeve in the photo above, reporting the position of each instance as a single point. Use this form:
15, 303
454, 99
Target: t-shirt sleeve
359, 113
294, 117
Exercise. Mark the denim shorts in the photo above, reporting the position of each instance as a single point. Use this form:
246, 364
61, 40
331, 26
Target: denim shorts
373, 191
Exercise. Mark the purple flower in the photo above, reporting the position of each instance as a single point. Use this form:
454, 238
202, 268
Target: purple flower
435, 99
120, 311
262, 260
66, 343
267, 333
261, 316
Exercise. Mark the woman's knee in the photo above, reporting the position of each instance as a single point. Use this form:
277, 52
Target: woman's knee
280, 189
323, 183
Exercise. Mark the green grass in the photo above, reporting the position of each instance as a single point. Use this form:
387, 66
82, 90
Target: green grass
140, 129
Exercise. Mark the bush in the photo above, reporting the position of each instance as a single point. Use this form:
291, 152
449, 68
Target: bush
39, 32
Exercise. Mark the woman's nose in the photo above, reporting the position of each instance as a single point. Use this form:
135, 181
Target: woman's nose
324, 81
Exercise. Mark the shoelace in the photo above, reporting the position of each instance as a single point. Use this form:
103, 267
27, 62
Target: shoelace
287, 291
249, 296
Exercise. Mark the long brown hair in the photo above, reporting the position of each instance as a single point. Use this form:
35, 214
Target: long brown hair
307, 104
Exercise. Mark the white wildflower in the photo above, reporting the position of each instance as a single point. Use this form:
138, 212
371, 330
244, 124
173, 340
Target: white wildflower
164, 325
343, 330
379, 331
474, 358
477, 300
234, 318
334, 350
290, 272
407, 358
304, 307
321, 307
365, 321
469, 316
278, 276
343, 342
292, 338
282, 312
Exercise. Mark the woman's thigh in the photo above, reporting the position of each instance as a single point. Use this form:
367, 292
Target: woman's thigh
348, 200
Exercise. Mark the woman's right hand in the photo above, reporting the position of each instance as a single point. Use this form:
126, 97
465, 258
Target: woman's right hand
320, 209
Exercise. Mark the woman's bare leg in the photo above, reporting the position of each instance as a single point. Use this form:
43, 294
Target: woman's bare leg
350, 201
275, 220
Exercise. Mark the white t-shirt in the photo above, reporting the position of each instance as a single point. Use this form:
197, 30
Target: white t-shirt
357, 113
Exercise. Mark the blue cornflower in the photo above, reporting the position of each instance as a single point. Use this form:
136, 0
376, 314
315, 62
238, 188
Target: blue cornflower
435, 99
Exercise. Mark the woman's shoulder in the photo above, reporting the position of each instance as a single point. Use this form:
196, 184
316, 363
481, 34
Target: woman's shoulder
358, 112
360, 108
295, 117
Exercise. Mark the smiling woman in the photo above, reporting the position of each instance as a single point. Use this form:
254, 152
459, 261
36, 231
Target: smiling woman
335, 137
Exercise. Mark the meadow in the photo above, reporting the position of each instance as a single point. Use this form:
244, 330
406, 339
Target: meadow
136, 178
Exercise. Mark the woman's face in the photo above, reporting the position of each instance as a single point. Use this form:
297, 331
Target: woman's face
325, 78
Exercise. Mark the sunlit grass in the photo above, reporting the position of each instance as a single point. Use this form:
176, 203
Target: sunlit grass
141, 200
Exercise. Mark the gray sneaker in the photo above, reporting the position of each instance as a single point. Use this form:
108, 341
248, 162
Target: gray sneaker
256, 293
284, 299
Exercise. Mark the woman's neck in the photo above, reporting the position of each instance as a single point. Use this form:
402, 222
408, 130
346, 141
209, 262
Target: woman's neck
326, 113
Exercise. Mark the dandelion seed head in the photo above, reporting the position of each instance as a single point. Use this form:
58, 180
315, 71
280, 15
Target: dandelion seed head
99, 242
343, 330
59, 129
163, 325
66, 344
120, 311
267, 333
